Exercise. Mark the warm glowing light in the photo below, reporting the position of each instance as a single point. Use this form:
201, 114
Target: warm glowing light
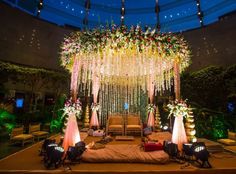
179, 136
165, 128
123, 57
72, 135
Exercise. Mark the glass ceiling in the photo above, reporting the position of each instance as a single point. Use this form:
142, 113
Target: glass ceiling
172, 16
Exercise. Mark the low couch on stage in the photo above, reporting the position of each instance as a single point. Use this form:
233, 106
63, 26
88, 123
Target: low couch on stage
122, 153
124, 124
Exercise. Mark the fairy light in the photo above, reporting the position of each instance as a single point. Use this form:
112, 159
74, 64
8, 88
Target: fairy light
40, 6
199, 13
122, 12
157, 10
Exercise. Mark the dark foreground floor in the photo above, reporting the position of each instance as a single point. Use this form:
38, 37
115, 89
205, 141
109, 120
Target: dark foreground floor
28, 161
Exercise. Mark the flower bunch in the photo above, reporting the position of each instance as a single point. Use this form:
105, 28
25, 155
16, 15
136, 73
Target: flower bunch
151, 108
72, 107
120, 39
179, 108
95, 106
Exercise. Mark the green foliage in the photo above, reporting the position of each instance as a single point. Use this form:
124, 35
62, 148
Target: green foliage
57, 120
229, 76
14, 68
205, 87
212, 87
210, 124
7, 120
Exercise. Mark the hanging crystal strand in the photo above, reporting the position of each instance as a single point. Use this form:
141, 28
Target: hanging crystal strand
119, 100
101, 101
104, 104
113, 100
170, 71
100, 110
131, 100
139, 99
109, 98
106, 99
116, 98
135, 98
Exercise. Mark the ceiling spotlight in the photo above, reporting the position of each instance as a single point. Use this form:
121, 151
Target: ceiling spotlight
38, 11
122, 17
199, 13
198, 4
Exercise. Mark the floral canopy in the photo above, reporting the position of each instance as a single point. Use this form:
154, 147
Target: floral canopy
123, 64
125, 57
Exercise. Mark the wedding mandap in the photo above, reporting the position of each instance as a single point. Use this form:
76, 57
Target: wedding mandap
116, 65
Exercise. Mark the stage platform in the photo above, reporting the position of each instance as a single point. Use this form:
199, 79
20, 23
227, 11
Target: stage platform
28, 161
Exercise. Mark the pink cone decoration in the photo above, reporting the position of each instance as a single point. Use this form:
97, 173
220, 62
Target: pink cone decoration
72, 135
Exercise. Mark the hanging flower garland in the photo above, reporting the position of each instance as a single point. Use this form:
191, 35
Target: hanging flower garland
120, 39
125, 57
179, 108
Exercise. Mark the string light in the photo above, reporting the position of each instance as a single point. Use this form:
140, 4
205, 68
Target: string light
40, 6
157, 11
122, 12
200, 14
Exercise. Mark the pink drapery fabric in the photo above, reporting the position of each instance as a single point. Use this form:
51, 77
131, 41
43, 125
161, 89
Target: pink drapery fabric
74, 79
72, 135
96, 84
151, 87
179, 135
151, 120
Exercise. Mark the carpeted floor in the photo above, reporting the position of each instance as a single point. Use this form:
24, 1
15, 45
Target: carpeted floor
28, 161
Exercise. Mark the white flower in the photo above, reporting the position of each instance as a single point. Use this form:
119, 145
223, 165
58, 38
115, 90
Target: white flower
179, 108
71, 108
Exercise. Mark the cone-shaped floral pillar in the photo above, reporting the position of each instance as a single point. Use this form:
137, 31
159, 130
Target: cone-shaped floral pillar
95, 107
179, 110
151, 107
72, 135
179, 135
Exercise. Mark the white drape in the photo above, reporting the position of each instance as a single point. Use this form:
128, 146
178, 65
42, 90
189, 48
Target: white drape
151, 87
96, 84
179, 135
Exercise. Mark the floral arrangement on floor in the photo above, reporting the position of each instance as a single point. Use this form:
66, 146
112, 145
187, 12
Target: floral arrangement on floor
72, 107
178, 108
